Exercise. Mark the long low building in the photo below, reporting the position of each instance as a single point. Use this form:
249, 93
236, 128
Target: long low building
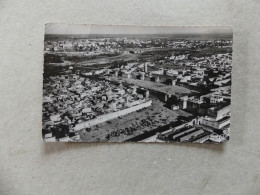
106, 117
217, 124
189, 136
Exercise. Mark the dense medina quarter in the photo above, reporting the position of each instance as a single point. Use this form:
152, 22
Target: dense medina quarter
137, 87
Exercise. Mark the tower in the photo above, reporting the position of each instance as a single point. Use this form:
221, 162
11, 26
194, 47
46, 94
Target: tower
157, 80
147, 94
145, 67
142, 75
134, 90
184, 102
173, 82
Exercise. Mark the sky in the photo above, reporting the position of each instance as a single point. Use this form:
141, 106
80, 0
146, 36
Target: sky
52, 28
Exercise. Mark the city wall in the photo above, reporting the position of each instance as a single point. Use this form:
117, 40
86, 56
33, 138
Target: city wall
110, 116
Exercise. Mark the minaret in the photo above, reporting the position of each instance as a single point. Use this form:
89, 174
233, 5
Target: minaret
184, 99
173, 82
147, 94
134, 90
142, 75
157, 79
145, 67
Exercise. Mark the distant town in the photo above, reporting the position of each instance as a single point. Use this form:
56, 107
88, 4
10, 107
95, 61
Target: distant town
136, 88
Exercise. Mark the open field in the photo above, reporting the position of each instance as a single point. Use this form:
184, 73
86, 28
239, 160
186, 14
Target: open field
159, 87
106, 60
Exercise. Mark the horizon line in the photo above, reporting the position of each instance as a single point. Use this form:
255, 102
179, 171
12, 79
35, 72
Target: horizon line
57, 28
210, 33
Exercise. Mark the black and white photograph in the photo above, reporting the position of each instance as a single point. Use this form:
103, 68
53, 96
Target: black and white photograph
112, 83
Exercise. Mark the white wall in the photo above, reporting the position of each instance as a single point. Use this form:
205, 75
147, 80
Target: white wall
110, 116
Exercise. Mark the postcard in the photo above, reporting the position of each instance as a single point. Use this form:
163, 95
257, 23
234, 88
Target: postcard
112, 83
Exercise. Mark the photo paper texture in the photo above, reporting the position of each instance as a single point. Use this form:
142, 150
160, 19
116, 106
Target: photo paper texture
105, 83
